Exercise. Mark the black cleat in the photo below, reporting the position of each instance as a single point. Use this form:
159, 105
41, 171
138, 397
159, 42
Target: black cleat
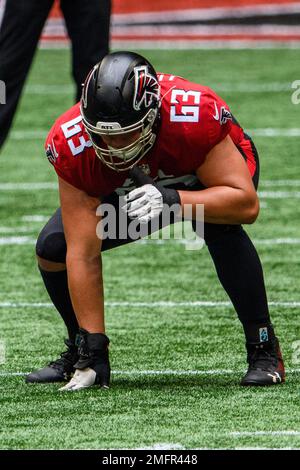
60, 370
266, 365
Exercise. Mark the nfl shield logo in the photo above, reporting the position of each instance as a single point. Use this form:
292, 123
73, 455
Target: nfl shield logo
263, 335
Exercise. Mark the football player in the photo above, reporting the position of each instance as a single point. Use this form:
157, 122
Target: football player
132, 121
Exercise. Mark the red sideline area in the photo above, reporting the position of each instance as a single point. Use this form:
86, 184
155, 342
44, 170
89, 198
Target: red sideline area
132, 6
148, 12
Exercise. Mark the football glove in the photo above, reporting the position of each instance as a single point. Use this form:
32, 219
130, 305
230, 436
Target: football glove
146, 202
92, 367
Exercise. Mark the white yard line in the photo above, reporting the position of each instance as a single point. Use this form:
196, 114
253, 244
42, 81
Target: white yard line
274, 132
40, 89
162, 446
167, 372
26, 304
279, 194
29, 134
241, 87
259, 132
17, 241
257, 448
194, 242
264, 433
189, 243
15, 229
35, 218
252, 87
280, 183
277, 241
154, 304
12, 374
34, 185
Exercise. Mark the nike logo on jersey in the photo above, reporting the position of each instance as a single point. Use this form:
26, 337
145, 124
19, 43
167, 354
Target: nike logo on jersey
217, 115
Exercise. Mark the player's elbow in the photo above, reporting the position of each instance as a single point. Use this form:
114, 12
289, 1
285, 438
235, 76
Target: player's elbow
251, 210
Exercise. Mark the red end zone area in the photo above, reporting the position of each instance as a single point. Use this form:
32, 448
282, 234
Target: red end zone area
193, 23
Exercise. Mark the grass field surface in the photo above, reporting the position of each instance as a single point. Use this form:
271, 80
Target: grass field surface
177, 348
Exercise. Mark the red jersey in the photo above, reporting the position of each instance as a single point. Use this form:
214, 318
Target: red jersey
193, 119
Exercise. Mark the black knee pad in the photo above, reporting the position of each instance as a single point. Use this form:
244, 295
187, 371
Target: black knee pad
52, 247
51, 243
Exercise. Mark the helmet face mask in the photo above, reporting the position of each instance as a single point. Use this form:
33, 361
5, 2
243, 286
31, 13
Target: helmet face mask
121, 96
124, 158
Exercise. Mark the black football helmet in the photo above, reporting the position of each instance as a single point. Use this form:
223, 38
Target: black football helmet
121, 94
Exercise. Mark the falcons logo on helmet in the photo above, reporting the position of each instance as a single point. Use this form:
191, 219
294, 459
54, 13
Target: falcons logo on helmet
146, 88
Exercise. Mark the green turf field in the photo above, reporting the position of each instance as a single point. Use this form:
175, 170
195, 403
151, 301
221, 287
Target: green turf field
176, 366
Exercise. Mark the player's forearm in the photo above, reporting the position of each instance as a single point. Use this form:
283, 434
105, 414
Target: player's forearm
223, 205
86, 289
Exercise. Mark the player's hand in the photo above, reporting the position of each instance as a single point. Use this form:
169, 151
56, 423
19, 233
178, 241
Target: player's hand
147, 201
144, 203
85, 378
93, 366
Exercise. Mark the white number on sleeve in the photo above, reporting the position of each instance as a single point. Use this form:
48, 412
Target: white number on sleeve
72, 128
